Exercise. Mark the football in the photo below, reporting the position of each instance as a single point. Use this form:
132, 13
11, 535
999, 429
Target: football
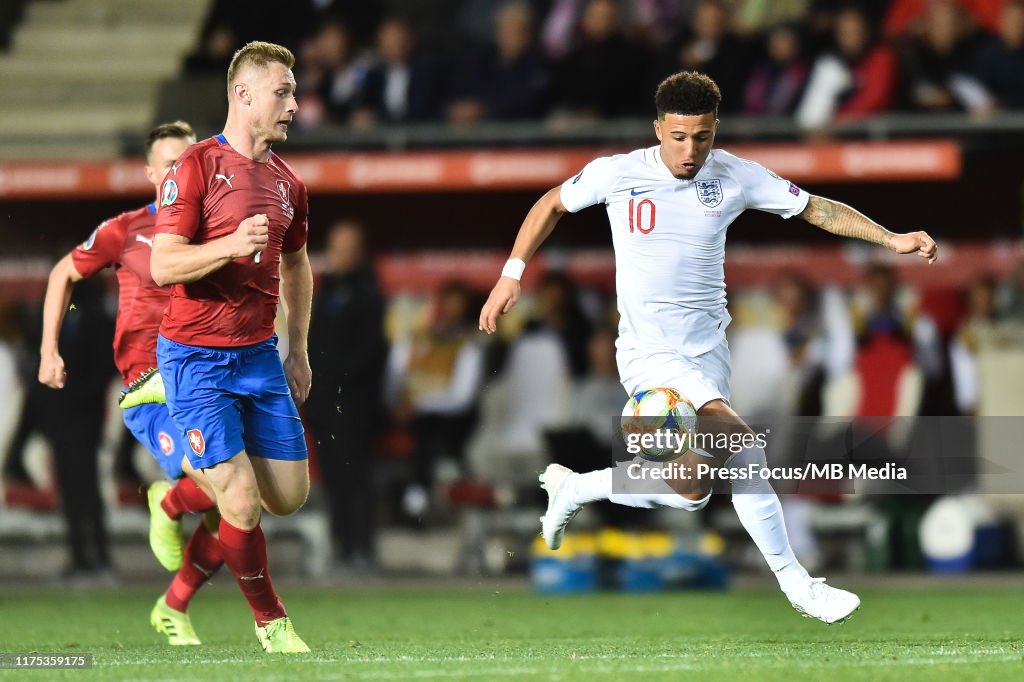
657, 423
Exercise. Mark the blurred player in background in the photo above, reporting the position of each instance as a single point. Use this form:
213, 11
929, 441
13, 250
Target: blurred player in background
231, 234
124, 242
669, 207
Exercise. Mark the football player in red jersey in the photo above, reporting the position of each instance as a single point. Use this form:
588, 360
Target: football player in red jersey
231, 235
124, 243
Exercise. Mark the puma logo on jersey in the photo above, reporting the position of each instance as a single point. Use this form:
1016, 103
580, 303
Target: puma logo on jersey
145, 240
225, 178
174, 168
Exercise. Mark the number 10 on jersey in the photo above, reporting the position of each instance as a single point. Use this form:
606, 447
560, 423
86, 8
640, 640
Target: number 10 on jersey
637, 216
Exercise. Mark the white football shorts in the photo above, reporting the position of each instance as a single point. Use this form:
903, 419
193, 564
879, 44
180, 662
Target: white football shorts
699, 379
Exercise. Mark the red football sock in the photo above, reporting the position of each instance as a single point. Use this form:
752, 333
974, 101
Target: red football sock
186, 496
245, 553
201, 560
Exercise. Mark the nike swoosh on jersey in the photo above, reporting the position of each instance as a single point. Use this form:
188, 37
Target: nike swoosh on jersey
634, 193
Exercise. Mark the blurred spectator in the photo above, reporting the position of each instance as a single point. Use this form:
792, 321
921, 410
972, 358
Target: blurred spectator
648, 22
906, 17
963, 352
510, 80
651, 22
1000, 61
347, 351
217, 44
229, 25
435, 21
1013, 294
855, 79
707, 45
329, 78
542, 362
598, 396
361, 19
775, 85
560, 313
806, 337
820, 22
781, 362
559, 27
432, 384
401, 87
72, 420
19, 366
936, 65
882, 314
477, 17
757, 17
604, 75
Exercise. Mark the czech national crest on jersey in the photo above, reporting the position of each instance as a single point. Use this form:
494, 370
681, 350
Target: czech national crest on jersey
709, 192
284, 190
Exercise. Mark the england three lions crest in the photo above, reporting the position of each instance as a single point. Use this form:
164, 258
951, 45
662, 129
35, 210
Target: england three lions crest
709, 192
284, 189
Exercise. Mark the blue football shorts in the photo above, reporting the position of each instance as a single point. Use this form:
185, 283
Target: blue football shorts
226, 400
151, 424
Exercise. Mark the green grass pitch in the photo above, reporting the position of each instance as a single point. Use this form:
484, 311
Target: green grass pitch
959, 633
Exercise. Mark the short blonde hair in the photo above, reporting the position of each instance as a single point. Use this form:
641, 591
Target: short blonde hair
259, 54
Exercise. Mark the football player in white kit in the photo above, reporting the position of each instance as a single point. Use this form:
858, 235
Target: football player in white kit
669, 207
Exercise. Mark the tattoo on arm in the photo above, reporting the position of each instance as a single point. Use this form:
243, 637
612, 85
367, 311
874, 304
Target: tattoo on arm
840, 219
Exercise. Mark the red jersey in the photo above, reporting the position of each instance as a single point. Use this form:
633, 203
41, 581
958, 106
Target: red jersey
206, 194
125, 242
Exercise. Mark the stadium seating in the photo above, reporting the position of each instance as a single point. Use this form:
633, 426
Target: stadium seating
74, 51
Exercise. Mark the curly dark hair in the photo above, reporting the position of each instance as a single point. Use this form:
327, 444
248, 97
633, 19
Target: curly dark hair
688, 93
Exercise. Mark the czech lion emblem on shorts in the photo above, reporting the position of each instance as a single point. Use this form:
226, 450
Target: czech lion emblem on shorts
709, 192
166, 443
196, 441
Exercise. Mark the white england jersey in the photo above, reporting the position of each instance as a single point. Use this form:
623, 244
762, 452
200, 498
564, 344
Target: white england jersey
669, 239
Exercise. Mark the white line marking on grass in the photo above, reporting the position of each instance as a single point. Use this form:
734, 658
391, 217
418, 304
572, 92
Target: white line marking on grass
662, 662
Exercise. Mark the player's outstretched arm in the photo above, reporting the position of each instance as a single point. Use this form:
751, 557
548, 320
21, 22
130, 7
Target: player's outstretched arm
174, 260
297, 294
539, 224
62, 281
838, 218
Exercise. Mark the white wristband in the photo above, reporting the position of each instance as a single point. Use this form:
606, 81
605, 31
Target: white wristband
514, 268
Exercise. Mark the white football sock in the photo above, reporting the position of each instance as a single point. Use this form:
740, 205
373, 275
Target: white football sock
760, 512
597, 485
593, 486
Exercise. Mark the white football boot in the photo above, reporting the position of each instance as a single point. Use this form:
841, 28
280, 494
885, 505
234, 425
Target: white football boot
559, 482
827, 604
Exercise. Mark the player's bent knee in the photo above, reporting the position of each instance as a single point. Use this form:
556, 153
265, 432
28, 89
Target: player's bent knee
283, 485
240, 506
284, 504
242, 517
